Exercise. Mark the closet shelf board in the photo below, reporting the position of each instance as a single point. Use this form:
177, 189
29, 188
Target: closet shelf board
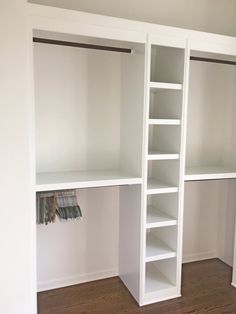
157, 250
161, 85
164, 122
156, 187
209, 173
157, 218
82, 179
155, 280
153, 155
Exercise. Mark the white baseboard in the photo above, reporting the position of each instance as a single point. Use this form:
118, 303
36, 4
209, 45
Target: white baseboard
233, 284
74, 280
199, 256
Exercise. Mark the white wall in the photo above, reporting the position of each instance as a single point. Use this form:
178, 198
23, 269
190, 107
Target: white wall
214, 16
16, 293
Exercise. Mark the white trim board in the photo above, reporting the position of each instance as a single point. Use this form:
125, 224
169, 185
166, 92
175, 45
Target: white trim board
76, 279
48, 15
195, 257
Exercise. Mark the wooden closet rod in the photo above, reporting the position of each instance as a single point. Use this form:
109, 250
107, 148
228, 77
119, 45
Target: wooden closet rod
212, 60
80, 45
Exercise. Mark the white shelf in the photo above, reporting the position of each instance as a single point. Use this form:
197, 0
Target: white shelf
156, 281
152, 155
164, 122
209, 173
156, 218
81, 179
157, 250
155, 187
160, 85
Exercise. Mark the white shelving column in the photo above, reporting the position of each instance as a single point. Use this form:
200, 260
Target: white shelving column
167, 62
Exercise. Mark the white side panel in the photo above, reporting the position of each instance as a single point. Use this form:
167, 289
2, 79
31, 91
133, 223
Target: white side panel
226, 224
74, 252
200, 233
17, 236
129, 238
234, 261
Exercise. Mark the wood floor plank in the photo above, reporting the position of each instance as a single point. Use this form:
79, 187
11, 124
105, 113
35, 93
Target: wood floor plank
206, 288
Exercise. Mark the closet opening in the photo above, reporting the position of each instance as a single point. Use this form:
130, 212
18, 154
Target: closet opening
89, 137
210, 185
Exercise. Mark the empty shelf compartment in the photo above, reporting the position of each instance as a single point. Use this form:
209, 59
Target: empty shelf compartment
167, 65
158, 187
157, 218
156, 249
163, 176
164, 138
165, 104
160, 276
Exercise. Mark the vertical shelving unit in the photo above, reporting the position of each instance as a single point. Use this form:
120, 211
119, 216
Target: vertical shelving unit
163, 173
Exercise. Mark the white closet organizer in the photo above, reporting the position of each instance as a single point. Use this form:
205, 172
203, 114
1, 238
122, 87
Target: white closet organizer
163, 187
115, 126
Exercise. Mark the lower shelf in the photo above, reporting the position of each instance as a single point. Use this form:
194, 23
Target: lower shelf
156, 218
157, 249
156, 187
52, 181
155, 280
209, 173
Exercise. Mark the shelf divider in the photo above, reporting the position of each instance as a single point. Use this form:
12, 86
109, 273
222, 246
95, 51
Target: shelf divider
157, 218
161, 85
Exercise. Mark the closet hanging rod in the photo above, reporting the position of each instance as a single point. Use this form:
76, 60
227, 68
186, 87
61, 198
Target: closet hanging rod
80, 45
212, 60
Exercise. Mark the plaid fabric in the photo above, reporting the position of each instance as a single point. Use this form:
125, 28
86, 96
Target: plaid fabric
61, 203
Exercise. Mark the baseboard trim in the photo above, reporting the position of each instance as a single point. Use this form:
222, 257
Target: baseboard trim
74, 280
199, 256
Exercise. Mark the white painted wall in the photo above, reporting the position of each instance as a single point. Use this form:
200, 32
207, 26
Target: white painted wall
214, 16
16, 292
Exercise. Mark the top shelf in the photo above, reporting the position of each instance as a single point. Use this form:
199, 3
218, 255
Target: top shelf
52, 181
209, 173
161, 85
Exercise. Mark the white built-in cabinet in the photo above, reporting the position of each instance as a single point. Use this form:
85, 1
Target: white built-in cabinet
129, 131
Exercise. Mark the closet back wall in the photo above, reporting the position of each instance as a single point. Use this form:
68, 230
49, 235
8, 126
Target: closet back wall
77, 98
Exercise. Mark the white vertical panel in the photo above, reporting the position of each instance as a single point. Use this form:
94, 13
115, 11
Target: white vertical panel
16, 235
129, 238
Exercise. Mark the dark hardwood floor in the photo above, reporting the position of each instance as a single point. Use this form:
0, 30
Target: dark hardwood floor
206, 289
